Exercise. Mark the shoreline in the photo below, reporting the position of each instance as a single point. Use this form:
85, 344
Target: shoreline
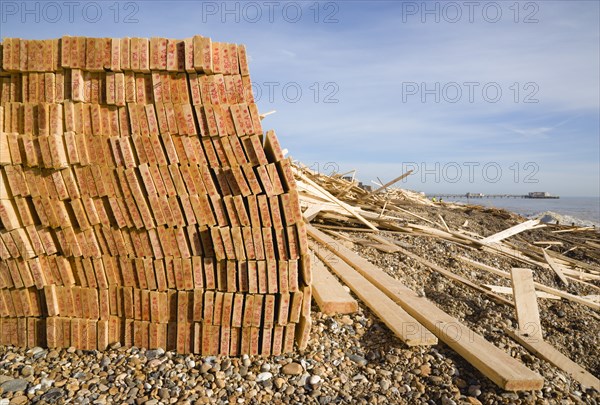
563, 214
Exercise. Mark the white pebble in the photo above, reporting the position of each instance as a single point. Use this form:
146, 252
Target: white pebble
314, 380
264, 376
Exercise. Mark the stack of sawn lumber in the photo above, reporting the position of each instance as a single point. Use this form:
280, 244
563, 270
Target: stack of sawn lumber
141, 203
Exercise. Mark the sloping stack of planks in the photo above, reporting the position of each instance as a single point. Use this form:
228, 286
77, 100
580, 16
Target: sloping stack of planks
141, 202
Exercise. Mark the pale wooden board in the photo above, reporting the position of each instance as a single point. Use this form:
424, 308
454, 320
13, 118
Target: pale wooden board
547, 352
329, 294
528, 314
557, 268
498, 366
497, 237
408, 329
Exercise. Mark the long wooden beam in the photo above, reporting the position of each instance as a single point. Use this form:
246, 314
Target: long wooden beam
329, 294
404, 326
498, 366
547, 352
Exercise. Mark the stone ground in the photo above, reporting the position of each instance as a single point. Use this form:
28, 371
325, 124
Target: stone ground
351, 359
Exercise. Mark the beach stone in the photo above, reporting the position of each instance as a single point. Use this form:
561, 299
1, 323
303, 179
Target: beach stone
314, 379
14, 385
154, 363
474, 391
52, 354
34, 350
72, 387
264, 376
19, 400
358, 359
26, 371
346, 320
292, 369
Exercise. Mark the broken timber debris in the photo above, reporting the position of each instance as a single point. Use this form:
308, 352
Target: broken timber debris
141, 202
385, 210
497, 365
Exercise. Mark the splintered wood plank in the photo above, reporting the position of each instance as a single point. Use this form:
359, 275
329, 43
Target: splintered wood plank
547, 352
557, 268
498, 366
404, 326
528, 314
497, 237
329, 294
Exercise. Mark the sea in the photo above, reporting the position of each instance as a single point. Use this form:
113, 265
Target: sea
581, 211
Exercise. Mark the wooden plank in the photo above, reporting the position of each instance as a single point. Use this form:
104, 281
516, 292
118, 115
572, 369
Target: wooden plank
329, 294
528, 315
547, 352
498, 366
404, 326
557, 268
524, 226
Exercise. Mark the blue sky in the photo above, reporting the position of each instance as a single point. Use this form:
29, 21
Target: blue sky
386, 86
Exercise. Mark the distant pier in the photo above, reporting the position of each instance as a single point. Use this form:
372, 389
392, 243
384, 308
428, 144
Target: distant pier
532, 195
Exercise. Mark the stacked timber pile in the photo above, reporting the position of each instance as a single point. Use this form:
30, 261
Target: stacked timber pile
336, 206
141, 203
